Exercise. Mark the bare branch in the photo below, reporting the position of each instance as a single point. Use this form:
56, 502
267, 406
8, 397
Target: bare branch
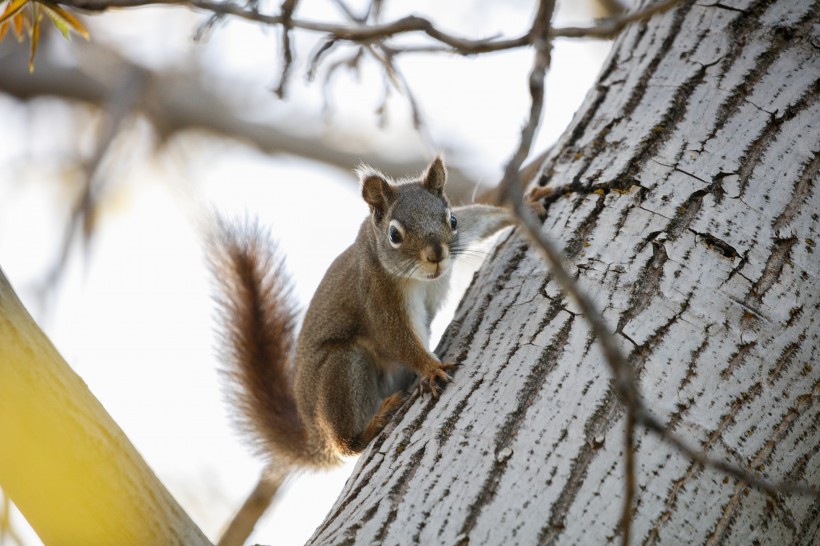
345, 9
254, 507
203, 108
740, 474
360, 33
321, 52
609, 28
121, 104
385, 56
357, 34
288, 7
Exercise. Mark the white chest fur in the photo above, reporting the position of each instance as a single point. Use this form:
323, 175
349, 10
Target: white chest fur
422, 300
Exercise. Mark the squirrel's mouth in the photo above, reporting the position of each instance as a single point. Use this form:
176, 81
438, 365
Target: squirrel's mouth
430, 271
435, 274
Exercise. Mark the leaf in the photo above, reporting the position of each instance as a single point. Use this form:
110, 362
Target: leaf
35, 37
61, 25
65, 20
19, 21
13, 15
26, 15
59, 22
12, 8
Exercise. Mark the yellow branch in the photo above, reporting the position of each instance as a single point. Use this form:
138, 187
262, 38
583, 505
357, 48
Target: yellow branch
63, 461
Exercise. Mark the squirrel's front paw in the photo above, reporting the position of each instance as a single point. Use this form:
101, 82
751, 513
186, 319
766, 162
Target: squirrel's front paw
429, 381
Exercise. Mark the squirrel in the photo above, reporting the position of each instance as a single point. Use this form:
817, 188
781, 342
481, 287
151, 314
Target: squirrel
312, 400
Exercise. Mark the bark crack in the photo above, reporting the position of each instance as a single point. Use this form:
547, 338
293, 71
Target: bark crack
740, 27
755, 152
778, 257
514, 420
724, 524
694, 468
396, 493
646, 286
800, 194
786, 357
737, 359
658, 135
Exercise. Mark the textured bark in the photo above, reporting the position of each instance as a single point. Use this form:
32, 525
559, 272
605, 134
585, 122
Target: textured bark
686, 201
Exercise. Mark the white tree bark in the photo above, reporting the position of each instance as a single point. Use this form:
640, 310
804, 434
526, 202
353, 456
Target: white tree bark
686, 201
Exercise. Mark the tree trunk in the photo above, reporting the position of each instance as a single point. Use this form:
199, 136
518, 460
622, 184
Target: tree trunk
685, 199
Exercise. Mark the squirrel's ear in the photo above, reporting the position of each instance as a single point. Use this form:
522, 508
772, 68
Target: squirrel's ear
376, 190
436, 176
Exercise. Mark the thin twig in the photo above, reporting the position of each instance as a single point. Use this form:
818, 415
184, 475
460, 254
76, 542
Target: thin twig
288, 7
357, 34
345, 9
604, 29
351, 62
260, 499
205, 28
609, 28
321, 52
740, 474
374, 10
120, 104
385, 57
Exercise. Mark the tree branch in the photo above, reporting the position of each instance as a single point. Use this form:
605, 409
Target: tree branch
69, 468
288, 7
360, 33
357, 34
609, 28
243, 523
177, 101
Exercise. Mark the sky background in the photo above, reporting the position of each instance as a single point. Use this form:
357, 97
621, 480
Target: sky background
132, 313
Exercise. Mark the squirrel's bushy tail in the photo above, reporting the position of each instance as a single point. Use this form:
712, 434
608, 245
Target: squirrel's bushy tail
257, 321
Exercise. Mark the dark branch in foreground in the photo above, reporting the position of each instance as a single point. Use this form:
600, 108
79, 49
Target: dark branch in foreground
362, 34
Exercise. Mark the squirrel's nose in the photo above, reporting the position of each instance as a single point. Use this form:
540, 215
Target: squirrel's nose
435, 253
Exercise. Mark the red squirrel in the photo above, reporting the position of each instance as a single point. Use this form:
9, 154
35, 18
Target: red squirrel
326, 393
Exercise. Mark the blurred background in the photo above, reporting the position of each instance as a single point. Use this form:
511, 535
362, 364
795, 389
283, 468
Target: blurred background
113, 151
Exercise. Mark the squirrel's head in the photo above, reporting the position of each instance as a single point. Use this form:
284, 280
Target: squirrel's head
412, 222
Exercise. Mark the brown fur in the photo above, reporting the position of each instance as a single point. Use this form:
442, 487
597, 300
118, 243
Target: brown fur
363, 338
257, 318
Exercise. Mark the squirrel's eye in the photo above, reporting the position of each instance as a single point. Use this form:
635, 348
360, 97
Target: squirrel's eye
395, 236
453, 222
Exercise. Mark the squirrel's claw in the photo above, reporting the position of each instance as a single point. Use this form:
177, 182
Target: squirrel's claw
429, 382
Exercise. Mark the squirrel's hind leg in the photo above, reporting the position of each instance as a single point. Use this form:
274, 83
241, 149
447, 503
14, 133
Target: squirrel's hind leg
386, 410
356, 411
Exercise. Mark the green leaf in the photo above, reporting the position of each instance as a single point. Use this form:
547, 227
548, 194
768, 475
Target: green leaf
59, 22
66, 18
